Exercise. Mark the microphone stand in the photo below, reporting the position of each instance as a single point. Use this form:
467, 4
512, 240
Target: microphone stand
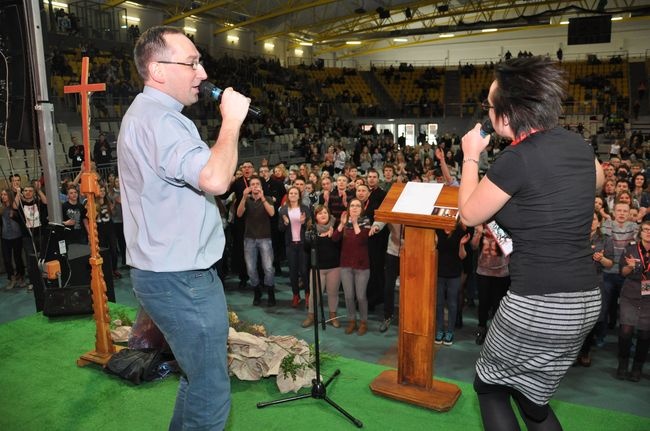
318, 388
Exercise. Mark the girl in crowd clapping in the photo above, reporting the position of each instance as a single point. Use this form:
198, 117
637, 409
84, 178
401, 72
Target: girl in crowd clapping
353, 230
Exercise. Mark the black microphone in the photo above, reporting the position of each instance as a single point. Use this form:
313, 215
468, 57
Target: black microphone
486, 128
210, 90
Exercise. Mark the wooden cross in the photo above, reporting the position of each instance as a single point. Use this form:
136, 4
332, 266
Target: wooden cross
104, 347
84, 89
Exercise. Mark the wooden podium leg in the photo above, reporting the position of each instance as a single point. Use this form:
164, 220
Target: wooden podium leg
413, 380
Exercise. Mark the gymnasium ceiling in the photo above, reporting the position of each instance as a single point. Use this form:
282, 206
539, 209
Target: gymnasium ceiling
329, 25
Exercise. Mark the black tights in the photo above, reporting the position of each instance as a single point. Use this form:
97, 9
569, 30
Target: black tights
498, 415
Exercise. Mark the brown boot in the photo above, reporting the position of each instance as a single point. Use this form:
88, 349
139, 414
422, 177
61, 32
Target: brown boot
352, 325
333, 320
308, 321
363, 328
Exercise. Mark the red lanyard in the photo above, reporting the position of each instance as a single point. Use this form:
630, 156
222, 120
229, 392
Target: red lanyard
523, 136
646, 267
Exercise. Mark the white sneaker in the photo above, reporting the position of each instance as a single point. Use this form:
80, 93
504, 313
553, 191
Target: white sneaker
10, 285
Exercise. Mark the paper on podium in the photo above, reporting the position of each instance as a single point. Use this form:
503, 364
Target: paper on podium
418, 198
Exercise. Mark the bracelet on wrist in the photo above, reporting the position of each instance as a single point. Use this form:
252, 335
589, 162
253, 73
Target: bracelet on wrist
470, 160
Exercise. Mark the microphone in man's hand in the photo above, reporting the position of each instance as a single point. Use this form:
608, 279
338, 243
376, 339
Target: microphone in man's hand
210, 90
486, 128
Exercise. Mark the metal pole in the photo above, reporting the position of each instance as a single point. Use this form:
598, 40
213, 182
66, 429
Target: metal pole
44, 109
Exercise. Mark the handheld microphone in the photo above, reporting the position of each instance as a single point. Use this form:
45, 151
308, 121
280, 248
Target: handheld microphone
210, 90
486, 128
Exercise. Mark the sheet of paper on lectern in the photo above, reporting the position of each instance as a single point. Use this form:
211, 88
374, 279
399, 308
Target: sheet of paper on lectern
418, 198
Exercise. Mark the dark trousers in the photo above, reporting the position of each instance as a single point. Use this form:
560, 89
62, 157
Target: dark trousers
118, 228
237, 261
490, 292
391, 271
106, 236
376, 254
297, 259
277, 240
12, 253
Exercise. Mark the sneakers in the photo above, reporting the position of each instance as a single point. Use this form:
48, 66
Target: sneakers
385, 324
439, 336
448, 340
295, 301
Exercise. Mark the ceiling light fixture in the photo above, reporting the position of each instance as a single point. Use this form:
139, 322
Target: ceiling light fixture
489, 30
447, 35
353, 42
400, 39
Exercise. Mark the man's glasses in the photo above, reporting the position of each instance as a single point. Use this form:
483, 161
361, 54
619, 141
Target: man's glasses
645, 230
194, 65
485, 105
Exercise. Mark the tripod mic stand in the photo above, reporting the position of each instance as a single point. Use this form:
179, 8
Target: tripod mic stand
318, 388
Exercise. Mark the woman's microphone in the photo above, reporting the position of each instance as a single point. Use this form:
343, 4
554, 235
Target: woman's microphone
210, 90
486, 128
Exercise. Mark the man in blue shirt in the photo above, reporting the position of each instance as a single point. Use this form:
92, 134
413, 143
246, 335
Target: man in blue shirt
168, 178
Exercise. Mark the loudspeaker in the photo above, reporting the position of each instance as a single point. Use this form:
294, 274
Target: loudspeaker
21, 133
77, 267
67, 301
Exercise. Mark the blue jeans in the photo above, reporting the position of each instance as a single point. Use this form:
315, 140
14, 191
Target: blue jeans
448, 289
189, 307
265, 247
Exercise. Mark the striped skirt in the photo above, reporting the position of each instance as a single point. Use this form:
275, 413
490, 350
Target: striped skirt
533, 340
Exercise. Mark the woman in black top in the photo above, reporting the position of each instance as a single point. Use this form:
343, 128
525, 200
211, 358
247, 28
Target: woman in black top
328, 263
541, 191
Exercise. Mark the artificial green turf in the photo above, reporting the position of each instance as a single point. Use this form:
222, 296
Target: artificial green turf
42, 388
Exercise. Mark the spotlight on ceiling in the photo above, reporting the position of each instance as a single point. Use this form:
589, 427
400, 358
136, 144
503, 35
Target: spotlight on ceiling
408, 13
383, 13
443, 8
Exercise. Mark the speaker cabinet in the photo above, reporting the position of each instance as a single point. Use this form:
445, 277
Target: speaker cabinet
67, 301
21, 133
79, 273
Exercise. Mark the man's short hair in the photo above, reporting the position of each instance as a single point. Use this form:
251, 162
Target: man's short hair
151, 45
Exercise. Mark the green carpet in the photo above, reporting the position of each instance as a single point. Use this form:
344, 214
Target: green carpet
43, 389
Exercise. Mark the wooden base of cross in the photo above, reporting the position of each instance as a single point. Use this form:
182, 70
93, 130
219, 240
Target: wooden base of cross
104, 347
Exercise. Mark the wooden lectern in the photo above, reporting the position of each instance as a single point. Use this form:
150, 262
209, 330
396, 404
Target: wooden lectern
413, 380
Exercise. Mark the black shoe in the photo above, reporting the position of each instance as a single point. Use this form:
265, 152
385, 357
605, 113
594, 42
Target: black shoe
270, 302
621, 371
257, 298
634, 376
480, 336
242, 284
385, 324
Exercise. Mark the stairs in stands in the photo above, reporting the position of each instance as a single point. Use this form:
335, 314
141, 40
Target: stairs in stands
386, 103
452, 88
638, 73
